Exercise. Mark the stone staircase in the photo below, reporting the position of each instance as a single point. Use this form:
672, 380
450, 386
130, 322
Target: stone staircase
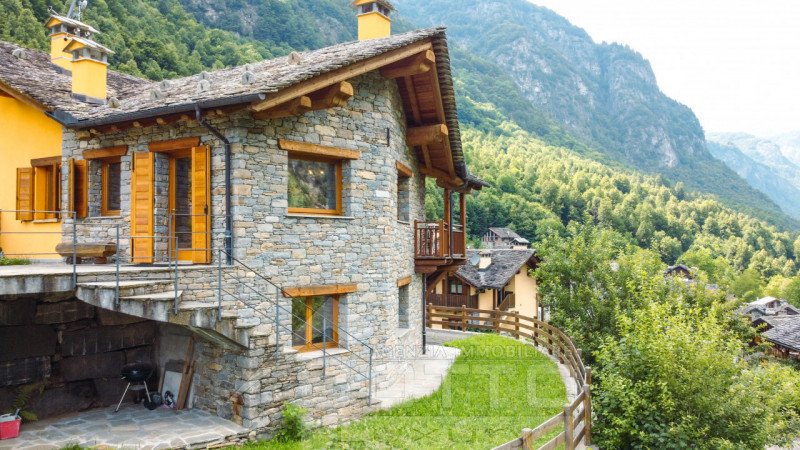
154, 299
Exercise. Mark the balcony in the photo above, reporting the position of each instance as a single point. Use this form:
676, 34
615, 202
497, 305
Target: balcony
453, 300
438, 244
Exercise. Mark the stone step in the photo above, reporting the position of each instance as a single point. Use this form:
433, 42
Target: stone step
157, 297
127, 284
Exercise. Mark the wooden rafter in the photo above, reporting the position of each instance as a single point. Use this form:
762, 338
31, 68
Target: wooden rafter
427, 135
24, 98
444, 177
342, 74
412, 99
294, 107
417, 64
333, 96
404, 170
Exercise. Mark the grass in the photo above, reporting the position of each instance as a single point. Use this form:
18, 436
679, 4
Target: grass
14, 262
495, 388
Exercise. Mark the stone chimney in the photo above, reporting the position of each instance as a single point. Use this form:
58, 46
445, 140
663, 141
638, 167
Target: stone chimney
89, 70
373, 19
486, 259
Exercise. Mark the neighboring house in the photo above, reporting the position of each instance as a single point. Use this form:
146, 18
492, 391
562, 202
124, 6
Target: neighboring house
783, 332
769, 307
305, 172
502, 280
679, 271
504, 238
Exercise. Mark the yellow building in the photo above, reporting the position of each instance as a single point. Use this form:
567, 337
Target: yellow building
501, 280
34, 196
373, 19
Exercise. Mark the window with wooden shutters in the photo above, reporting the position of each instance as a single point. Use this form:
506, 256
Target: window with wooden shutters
142, 208
112, 187
25, 193
47, 188
78, 188
201, 205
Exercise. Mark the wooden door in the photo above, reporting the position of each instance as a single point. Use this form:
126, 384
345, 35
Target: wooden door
142, 185
201, 205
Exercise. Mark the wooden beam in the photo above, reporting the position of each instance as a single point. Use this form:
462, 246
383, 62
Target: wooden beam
427, 135
49, 161
404, 170
295, 107
415, 65
306, 149
432, 284
24, 98
333, 96
343, 74
108, 152
405, 281
441, 175
313, 291
174, 144
426, 155
413, 100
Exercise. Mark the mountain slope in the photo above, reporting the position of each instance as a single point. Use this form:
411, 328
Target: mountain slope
762, 177
605, 95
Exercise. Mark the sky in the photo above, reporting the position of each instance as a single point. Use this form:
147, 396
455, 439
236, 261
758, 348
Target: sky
736, 63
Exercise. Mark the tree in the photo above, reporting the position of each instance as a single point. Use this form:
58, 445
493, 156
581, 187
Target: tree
747, 286
662, 382
792, 292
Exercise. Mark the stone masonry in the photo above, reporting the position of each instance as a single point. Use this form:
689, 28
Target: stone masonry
366, 246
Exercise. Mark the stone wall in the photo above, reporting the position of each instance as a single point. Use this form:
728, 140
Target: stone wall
367, 246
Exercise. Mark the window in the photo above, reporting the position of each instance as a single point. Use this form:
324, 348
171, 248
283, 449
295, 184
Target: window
456, 287
315, 186
315, 322
402, 307
111, 189
39, 190
404, 174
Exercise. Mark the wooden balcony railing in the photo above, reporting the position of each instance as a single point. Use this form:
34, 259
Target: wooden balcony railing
433, 240
453, 300
508, 302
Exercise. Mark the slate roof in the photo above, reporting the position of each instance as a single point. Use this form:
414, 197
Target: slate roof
505, 233
505, 264
35, 77
785, 332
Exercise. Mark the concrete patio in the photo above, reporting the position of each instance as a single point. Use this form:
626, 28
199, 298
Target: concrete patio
133, 427
425, 376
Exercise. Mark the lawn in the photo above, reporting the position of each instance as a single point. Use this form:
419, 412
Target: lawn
495, 388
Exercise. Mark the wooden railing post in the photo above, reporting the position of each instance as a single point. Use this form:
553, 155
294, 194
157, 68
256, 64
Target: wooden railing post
569, 432
496, 320
527, 439
516, 324
587, 408
463, 317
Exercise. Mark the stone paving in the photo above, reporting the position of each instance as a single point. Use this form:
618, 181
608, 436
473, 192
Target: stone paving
133, 427
424, 376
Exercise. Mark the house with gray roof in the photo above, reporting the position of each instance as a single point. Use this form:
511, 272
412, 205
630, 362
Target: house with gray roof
504, 238
265, 224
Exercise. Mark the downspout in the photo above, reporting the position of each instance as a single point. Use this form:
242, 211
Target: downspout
424, 312
228, 217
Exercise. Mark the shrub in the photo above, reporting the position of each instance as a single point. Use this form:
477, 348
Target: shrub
294, 426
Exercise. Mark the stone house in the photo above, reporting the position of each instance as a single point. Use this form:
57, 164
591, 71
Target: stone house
503, 238
269, 216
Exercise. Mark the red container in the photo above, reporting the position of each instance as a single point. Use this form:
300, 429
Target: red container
10, 429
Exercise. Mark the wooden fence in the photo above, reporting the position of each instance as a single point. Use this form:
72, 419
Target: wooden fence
575, 421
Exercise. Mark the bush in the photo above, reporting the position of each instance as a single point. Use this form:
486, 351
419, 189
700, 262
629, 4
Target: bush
14, 262
294, 426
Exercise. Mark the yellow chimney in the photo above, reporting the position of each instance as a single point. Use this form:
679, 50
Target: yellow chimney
373, 19
62, 29
89, 70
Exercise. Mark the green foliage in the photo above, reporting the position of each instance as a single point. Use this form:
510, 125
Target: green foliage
748, 286
293, 427
792, 292
24, 395
14, 262
674, 379
537, 190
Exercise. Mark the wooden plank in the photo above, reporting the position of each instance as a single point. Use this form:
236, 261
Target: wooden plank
405, 281
417, 64
342, 74
313, 291
108, 152
174, 144
552, 444
441, 175
306, 149
546, 427
294, 107
25, 188
427, 135
201, 205
43, 162
333, 96
404, 170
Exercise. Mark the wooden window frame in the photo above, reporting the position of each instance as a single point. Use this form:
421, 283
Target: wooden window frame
104, 211
338, 163
46, 197
455, 282
310, 346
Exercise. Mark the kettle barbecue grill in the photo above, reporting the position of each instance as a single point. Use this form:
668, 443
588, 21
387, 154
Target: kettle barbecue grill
136, 375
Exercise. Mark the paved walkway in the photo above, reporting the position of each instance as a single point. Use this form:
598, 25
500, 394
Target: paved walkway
424, 376
133, 427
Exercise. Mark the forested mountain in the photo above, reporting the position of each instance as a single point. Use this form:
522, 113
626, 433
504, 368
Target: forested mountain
779, 185
605, 95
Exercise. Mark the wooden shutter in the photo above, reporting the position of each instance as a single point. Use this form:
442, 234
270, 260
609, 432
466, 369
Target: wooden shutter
142, 208
78, 188
25, 193
201, 205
